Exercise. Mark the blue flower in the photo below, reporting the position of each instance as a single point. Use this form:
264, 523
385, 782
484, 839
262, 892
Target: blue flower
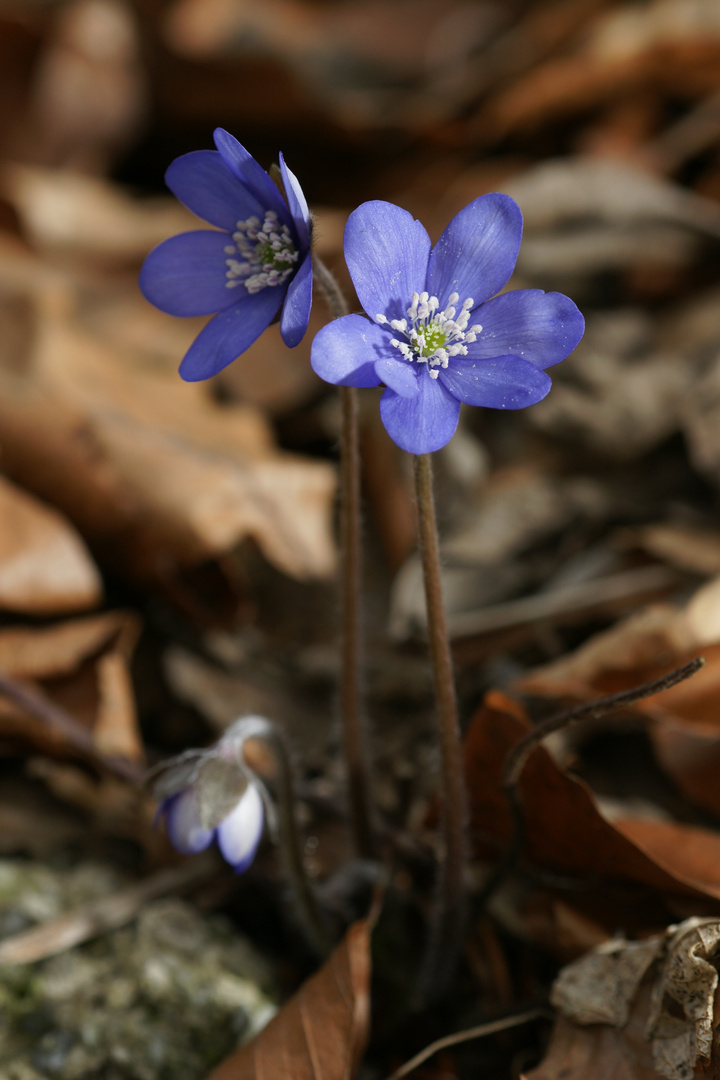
208, 795
436, 338
258, 262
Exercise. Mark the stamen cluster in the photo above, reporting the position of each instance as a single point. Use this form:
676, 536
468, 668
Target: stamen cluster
433, 336
267, 254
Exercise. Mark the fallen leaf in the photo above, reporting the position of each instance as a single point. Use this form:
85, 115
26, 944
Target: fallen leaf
45, 567
321, 1032
690, 754
598, 1052
82, 665
90, 88
638, 649
157, 476
684, 546
85, 216
683, 723
638, 1009
565, 831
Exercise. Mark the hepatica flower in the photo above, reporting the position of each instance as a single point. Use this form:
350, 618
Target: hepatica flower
208, 795
254, 263
434, 336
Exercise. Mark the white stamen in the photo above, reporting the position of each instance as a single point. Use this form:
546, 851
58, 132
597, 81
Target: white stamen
268, 254
433, 337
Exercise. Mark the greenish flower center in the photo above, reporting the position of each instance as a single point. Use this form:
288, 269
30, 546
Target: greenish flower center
432, 336
435, 338
261, 255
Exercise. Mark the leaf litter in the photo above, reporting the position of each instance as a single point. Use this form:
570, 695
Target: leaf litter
167, 551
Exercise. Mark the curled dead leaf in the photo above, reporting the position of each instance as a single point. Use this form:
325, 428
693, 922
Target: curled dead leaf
651, 1005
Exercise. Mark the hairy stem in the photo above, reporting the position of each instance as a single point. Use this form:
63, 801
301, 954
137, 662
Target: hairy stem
291, 841
353, 726
449, 917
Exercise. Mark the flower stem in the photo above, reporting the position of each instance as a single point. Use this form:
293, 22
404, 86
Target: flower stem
291, 843
353, 726
446, 931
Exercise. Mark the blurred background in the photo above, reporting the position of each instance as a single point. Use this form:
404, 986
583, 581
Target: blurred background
167, 550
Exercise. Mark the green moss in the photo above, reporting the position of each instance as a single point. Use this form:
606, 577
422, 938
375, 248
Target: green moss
163, 999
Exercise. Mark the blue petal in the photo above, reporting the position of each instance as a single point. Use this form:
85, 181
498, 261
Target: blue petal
505, 382
230, 333
297, 203
252, 175
541, 327
239, 833
185, 275
424, 423
400, 375
296, 309
345, 351
476, 254
182, 824
387, 252
203, 182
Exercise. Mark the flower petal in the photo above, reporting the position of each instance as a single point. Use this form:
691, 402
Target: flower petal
203, 182
345, 351
538, 326
239, 834
230, 333
423, 423
400, 375
250, 173
182, 824
476, 254
505, 382
297, 204
185, 275
296, 309
387, 252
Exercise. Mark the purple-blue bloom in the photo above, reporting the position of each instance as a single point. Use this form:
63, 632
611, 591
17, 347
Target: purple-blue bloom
212, 794
436, 337
237, 835
256, 261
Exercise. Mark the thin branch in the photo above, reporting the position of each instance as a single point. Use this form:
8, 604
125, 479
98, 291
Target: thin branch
518, 756
54, 717
478, 1032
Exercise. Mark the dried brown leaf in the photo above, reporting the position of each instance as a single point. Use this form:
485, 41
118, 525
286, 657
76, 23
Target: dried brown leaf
321, 1032
684, 546
565, 831
155, 474
642, 647
70, 214
638, 1009
684, 725
45, 567
690, 754
82, 665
